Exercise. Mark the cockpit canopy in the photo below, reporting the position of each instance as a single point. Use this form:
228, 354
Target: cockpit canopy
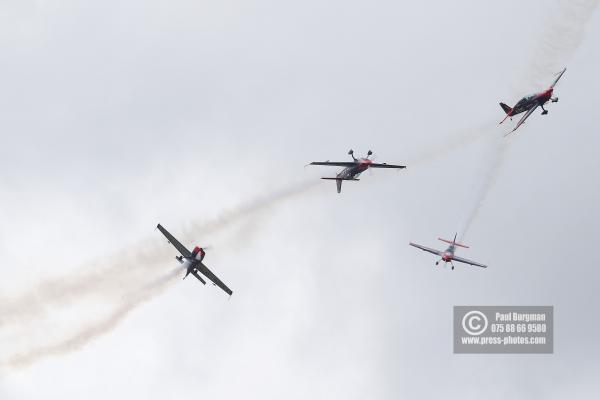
526, 99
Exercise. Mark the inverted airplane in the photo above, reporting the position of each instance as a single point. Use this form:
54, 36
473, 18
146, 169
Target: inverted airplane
448, 254
353, 169
529, 104
192, 261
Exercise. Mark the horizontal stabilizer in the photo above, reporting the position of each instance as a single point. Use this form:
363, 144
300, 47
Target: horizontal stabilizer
341, 179
453, 243
199, 278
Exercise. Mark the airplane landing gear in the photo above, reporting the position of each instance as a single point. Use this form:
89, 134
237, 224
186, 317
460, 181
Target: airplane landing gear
544, 112
554, 100
437, 262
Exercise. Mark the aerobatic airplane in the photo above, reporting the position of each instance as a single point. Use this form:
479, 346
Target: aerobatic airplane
448, 254
192, 261
353, 169
529, 104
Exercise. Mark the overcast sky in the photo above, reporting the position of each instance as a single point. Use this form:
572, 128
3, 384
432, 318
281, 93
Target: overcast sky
117, 115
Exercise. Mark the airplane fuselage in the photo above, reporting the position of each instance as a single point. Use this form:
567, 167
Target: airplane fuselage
360, 166
448, 254
533, 100
190, 264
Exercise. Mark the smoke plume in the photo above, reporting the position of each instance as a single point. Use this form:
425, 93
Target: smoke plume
560, 38
87, 332
455, 141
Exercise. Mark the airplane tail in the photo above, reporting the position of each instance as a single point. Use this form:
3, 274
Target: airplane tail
506, 108
453, 242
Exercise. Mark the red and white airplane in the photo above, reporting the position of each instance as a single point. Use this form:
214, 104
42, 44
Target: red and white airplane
353, 169
529, 104
448, 254
192, 261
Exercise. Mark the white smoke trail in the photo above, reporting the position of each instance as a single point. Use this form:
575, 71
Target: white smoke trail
490, 174
562, 35
124, 281
248, 209
85, 333
455, 141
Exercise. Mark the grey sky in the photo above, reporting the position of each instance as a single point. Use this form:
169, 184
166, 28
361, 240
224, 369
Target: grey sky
122, 114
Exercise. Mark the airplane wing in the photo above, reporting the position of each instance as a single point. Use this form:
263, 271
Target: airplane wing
558, 77
207, 272
181, 248
523, 118
384, 165
464, 260
334, 163
433, 251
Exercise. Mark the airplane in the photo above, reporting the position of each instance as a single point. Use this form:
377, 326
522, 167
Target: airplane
529, 104
448, 254
192, 261
353, 169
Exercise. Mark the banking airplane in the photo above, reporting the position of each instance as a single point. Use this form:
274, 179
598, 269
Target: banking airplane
352, 169
192, 261
528, 104
448, 254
